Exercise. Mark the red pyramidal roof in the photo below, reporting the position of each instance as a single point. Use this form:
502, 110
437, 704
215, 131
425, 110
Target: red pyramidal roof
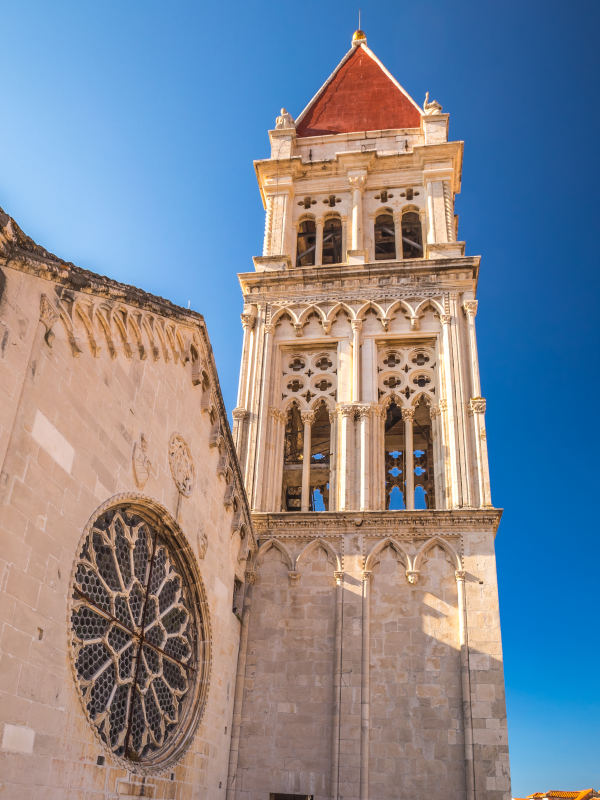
360, 95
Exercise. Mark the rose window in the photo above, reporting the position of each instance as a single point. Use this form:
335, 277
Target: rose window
139, 650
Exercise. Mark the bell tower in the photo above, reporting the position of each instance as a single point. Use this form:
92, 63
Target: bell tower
371, 662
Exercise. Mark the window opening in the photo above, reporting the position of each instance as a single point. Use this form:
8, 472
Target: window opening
332, 241
320, 458
306, 244
385, 238
292, 460
412, 236
423, 457
394, 459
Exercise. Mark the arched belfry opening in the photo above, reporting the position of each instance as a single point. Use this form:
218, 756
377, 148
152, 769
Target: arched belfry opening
412, 235
385, 237
306, 243
332, 241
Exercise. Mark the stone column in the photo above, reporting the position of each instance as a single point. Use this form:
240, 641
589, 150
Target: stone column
319, 242
344, 463
239, 416
470, 309
398, 232
380, 417
465, 684
449, 211
260, 463
307, 418
357, 184
365, 687
408, 415
333, 460
449, 415
364, 413
337, 685
477, 410
438, 462
356, 329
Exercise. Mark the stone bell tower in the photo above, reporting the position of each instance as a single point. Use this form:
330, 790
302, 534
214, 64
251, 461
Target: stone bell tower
371, 661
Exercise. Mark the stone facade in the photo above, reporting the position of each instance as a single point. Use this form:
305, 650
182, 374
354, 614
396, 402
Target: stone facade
109, 396
371, 650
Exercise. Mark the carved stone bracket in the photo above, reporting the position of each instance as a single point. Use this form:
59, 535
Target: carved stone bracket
48, 317
412, 576
294, 576
250, 576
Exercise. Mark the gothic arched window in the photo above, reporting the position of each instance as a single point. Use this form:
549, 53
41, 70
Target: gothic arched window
306, 243
332, 241
138, 619
412, 237
385, 237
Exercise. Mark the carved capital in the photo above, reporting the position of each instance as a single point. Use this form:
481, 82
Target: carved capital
339, 577
250, 576
477, 405
367, 575
308, 416
346, 411
356, 324
434, 411
445, 319
470, 309
248, 320
412, 576
298, 326
362, 412
408, 414
357, 182
443, 404
294, 576
239, 413
460, 574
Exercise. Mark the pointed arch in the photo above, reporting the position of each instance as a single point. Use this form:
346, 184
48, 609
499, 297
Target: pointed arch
278, 315
86, 319
437, 541
372, 558
407, 309
326, 400
119, 316
103, 316
430, 303
371, 305
308, 311
133, 323
264, 549
324, 545
422, 395
335, 310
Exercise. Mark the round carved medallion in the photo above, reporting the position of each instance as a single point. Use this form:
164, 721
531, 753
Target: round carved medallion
138, 636
182, 466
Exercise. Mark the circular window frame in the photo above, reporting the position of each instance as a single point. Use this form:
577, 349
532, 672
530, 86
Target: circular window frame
179, 741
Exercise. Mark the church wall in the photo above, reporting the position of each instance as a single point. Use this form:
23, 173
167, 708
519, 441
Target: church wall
286, 727
74, 425
416, 735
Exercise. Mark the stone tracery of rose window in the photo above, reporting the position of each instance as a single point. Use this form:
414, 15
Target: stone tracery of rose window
137, 637
308, 377
405, 372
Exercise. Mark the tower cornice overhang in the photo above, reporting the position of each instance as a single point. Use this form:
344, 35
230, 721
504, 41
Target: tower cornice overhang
443, 271
275, 175
382, 523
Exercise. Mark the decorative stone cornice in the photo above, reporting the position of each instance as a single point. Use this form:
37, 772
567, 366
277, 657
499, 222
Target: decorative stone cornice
378, 523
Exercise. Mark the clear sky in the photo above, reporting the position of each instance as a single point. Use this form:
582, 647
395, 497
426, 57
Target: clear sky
127, 137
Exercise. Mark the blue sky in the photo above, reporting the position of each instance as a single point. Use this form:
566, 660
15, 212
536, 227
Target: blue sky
127, 138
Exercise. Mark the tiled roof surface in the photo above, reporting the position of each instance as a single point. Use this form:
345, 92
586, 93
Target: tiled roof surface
360, 96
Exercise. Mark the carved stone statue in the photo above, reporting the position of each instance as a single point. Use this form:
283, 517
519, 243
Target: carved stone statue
285, 120
432, 107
